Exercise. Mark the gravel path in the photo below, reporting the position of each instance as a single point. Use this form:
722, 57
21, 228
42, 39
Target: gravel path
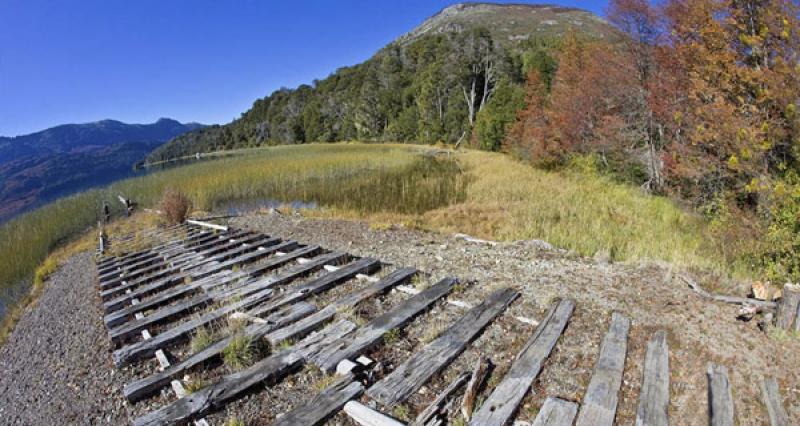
55, 368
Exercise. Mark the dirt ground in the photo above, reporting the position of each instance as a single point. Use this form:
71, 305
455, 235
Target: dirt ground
652, 296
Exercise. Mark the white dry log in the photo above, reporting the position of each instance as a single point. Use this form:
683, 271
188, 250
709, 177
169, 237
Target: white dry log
366, 416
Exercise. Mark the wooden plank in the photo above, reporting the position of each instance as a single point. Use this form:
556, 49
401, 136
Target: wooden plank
366, 416
436, 406
371, 334
599, 407
312, 322
409, 376
129, 329
788, 307
171, 263
144, 387
120, 302
318, 285
654, 395
211, 398
138, 350
213, 245
503, 402
121, 316
324, 405
476, 381
720, 397
207, 224
314, 342
260, 252
774, 403
556, 412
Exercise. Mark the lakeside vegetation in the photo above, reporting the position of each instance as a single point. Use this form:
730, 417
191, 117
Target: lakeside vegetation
488, 195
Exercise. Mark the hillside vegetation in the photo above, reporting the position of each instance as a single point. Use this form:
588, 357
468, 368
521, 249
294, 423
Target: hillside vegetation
461, 68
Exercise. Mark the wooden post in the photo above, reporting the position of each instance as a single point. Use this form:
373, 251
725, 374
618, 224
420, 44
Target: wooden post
720, 397
787, 308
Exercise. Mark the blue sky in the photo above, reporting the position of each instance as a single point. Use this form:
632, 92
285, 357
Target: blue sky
201, 60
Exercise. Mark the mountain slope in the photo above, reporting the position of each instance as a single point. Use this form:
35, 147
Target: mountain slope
463, 68
61, 160
511, 23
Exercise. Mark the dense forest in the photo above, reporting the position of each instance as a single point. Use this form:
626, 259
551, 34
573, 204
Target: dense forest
436, 88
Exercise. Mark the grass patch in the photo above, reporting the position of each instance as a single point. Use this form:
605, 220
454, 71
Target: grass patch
508, 200
195, 385
242, 351
202, 339
391, 336
233, 421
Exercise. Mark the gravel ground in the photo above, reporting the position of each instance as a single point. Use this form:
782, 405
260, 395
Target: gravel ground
56, 366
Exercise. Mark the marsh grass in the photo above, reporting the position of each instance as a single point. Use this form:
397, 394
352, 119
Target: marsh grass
508, 200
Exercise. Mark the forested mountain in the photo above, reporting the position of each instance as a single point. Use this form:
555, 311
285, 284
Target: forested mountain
463, 67
45, 165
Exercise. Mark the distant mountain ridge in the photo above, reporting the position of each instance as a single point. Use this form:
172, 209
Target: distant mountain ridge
426, 86
61, 160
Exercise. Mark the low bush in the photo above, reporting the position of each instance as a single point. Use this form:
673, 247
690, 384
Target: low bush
175, 206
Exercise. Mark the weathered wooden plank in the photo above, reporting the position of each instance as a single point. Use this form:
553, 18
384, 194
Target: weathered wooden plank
316, 341
260, 252
720, 397
366, 416
121, 316
138, 350
123, 300
476, 381
324, 405
788, 307
142, 388
435, 407
123, 332
318, 285
312, 322
599, 407
106, 273
409, 376
178, 254
503, 402
556, 412
654, 395
371, 334
774, 403
176, 262
242, 249
210, 398
161, 315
